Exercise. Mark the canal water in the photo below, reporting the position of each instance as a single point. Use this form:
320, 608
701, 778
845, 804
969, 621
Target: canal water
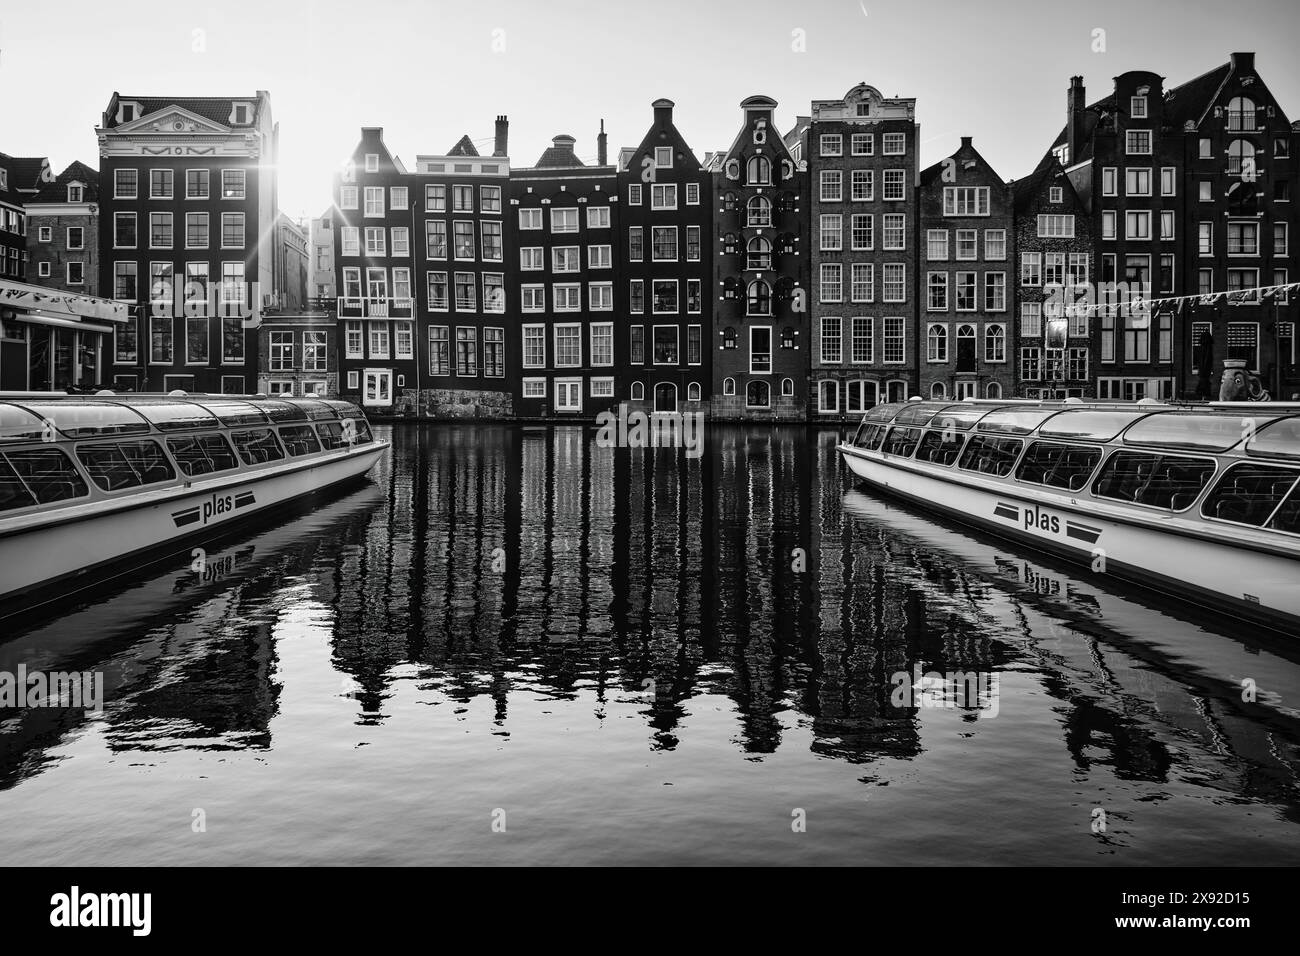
516, 646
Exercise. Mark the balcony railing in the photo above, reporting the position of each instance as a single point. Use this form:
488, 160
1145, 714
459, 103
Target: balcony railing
379, 307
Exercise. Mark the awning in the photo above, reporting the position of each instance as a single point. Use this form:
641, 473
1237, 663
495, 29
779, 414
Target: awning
20, 295
38, 319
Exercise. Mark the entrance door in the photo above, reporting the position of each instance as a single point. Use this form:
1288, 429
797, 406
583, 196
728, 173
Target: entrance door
965, 389
966, 348
379, 387
665, 397
568, 395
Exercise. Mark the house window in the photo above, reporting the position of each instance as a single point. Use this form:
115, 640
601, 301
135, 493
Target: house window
862, 340
196, 230
76, 238
893, 144
664, 295
895, 340
832, 233
862, 231
728, 386
893, 281
635, 244
76, 273
634, 194
862, 185
895, 185
937, 343
759, 211
1137, 181
663, 243
832, 344
1108, 181
862, 144
233, 186
758, 394
965, 291
564, 220
534, 347
832, 144
936, 299
692, 194
124, 230
665, 345
894, 230
161, 183
967, 244
831, 287
1243, 238
568, 346
1137, 142
597, 217
758, 171
936, 245
466, 351
832, 186
663, 195
1137, 107
760, 349
966, 200
43, 270
1055, 227
995, 343
232, 230
1168, 180
862, 286
1056, 194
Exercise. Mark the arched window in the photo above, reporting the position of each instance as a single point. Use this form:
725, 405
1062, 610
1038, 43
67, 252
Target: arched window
730, 244
1241, 115
758, 298
993, 390
1239, 150
937, 343
966, 331
937, 390
728, 386
729, 337
729, 201
759, 212
759, 171
787, 387
758, 394
787, 338
760, 254
638, 392
693, 392
995, 344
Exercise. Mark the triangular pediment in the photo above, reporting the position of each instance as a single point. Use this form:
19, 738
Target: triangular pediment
172, 119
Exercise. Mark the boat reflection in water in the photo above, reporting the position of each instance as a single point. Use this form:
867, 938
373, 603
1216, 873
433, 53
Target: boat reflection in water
643, 656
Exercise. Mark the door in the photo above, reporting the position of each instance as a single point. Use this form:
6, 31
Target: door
966, 348
665, 397
568, 395
378, 388
965, 389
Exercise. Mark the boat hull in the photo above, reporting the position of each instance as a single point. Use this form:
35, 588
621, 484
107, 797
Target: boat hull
1258, 585
65, 551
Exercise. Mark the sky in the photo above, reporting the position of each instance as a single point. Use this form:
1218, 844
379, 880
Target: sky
429, 72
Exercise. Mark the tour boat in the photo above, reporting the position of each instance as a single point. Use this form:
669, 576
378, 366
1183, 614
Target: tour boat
90, 485
1202, 502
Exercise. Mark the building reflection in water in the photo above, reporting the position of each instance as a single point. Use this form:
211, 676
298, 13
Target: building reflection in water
494, 561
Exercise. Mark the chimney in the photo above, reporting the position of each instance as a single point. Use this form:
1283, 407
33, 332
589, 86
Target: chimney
965, 142
663, 112
1076, 100
602, 147
503, 131
1243, 63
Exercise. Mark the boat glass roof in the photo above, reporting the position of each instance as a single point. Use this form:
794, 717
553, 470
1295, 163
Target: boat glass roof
18, 424
316, 410
1016, 420
1281, 439
1091, 424
883, 413
918, 413
170, 416
1199, 431
85, 419
960, 417
234, 412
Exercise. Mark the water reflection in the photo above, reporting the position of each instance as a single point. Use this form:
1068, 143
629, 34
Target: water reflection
527, 568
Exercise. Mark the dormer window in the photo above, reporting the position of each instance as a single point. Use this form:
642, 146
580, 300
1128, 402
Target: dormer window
663, 157
240, 114
372, 162
1137, 107
75, 192
1056, 194
128, 112
864, 109
4, 179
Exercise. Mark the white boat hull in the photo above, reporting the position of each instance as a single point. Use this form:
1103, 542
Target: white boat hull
1261, 584
64, 548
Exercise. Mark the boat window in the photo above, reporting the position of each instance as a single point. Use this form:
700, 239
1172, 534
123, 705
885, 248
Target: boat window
202, 454
177, 416
901, 441
940, 446
13, 493
89, 419
1058, 466
316, 411
18, 424
125, 464
280, 411
990, 456
1161, 481
1015, 421
1197, 431
331, 435
1278, 440
236, 414
48, 474
299, 440
1090, 423
870, 436
1288, 516
258, 447
1249, 493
